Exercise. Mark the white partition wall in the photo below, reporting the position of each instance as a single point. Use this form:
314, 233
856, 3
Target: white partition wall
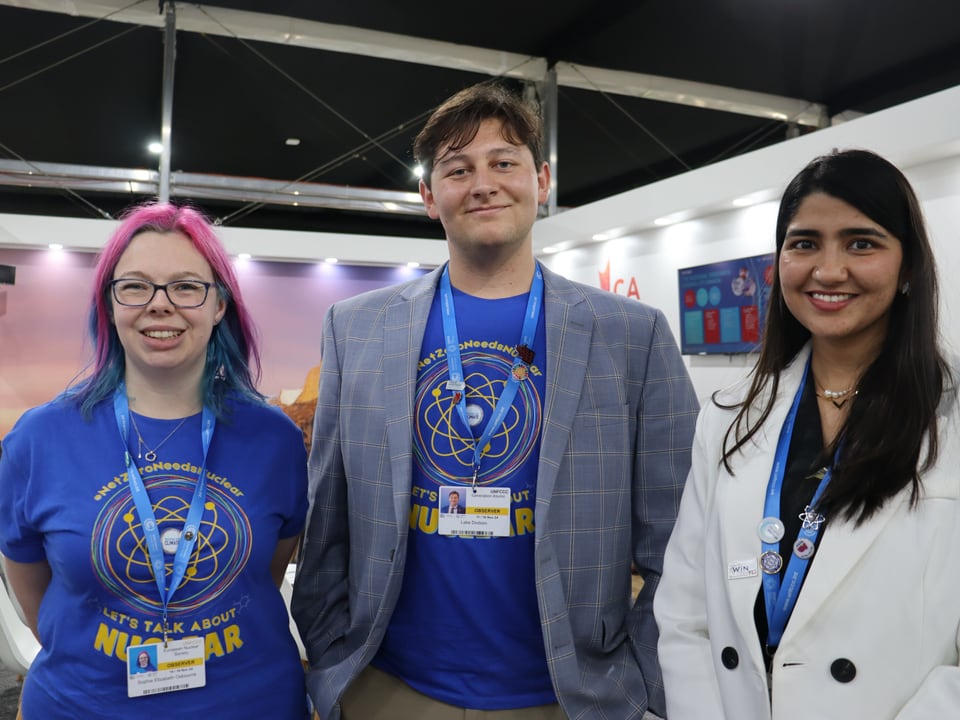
921, 137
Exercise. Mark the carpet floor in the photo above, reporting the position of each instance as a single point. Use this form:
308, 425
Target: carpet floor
9, 694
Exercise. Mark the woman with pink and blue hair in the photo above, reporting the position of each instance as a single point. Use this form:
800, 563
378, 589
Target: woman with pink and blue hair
158, 500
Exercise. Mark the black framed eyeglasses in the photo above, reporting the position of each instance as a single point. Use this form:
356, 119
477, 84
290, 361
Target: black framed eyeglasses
134, 292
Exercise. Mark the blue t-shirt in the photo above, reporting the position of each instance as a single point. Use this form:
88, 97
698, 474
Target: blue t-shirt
64, 498
466, 630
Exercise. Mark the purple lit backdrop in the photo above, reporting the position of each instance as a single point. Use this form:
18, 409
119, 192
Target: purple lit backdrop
43, 340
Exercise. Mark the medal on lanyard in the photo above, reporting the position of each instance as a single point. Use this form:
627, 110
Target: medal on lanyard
518, 372
148, 520
780, 599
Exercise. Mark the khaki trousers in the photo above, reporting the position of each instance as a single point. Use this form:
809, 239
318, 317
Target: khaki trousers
377, 695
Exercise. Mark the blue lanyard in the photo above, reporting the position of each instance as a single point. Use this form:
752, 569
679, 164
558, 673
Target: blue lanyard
781, 599
518, 372
188, 536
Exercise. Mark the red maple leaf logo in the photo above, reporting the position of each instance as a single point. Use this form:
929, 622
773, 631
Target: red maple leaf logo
605, 277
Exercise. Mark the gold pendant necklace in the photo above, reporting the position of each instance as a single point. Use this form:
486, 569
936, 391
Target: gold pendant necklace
839, 398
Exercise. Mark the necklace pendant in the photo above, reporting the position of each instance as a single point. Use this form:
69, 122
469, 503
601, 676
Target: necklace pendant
839, 403
151, 455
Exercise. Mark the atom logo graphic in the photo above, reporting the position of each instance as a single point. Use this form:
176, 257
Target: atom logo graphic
444, 448
119, 548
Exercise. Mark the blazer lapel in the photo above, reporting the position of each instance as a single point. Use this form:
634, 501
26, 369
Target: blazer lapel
404, 324
740, 502
840, 549
741, 508
569, 329
843, 545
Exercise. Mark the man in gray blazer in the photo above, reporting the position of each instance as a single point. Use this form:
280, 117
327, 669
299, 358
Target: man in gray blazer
562, 412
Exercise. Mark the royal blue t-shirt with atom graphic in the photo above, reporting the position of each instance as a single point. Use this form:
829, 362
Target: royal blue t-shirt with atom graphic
466, 630
65, 499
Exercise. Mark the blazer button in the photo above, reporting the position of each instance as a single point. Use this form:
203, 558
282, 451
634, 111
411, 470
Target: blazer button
843, 670
729, 658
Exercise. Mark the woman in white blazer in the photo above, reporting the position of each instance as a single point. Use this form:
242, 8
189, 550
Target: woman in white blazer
814, 571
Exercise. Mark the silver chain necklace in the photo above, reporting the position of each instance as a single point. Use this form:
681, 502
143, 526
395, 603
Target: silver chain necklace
151, 455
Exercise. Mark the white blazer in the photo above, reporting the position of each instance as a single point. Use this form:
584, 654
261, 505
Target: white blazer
874, 633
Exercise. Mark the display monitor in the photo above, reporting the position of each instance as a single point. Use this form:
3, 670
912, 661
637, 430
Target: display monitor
8, 273
723, 305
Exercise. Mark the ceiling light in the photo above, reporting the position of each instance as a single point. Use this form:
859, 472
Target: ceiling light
292, 142
413, 264
549, 250
418, 171
391, 206
755, 198
155, 147
600, 237
55, 246
664, 221
243, 256
331, 261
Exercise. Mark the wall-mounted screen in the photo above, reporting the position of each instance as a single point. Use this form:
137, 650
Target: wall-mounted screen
723, 305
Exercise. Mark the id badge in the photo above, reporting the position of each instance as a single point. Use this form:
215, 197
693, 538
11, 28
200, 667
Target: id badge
484, 512
154, 669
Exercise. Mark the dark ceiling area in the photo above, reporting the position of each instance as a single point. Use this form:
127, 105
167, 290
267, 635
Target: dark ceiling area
86, 91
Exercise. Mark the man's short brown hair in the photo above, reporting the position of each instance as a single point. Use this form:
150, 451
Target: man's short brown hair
456, 122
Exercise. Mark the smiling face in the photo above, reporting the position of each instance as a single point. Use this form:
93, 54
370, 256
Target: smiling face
486, 194
840, 273
454, 500
143, 659
161, 341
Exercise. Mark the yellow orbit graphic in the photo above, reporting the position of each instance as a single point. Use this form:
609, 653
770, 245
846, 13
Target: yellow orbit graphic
131, 546
446, 441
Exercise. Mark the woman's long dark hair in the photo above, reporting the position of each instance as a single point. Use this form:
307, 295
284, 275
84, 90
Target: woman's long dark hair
895, 411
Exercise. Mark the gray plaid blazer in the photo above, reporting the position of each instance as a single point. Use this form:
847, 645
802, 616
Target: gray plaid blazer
615, 451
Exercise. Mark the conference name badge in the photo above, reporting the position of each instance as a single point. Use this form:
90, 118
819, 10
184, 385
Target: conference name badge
739, 569
485, 513
157, 668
